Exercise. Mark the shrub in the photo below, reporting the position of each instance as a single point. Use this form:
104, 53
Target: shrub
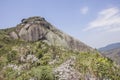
11, 56
45, 59
42, 73
39, 54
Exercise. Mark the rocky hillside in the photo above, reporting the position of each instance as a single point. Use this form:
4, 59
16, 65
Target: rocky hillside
37, 28
36, 50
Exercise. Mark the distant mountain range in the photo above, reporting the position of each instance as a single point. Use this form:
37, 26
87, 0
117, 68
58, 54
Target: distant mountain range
110, 47
112, 51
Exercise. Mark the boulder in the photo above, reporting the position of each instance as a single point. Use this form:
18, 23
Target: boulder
13, 35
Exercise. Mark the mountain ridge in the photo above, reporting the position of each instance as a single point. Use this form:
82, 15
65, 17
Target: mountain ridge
110, 46
37, 28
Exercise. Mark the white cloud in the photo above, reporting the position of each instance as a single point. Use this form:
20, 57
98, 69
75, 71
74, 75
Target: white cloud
84, 10
107, 20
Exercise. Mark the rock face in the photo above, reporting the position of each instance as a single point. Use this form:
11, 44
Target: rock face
37, 28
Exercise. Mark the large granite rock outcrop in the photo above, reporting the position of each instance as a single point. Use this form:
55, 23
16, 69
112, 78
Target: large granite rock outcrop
37, 28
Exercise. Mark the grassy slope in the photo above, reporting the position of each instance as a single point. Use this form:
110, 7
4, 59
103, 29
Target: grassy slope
86, 63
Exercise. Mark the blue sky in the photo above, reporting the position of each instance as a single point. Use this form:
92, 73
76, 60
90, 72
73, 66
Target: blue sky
94, 22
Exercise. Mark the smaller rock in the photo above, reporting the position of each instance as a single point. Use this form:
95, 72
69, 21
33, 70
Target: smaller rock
29, 58
13, 35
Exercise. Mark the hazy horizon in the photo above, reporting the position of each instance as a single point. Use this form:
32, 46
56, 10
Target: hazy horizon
96, 23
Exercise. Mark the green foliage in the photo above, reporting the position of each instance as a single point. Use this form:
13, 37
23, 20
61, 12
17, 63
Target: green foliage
45, 59
39, 73
99, 66
42, 73
3, 51
39, 54
11, 56
10, 74
3, 62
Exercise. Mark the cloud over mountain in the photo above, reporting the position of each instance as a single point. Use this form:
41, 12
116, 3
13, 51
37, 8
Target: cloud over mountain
107, 20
